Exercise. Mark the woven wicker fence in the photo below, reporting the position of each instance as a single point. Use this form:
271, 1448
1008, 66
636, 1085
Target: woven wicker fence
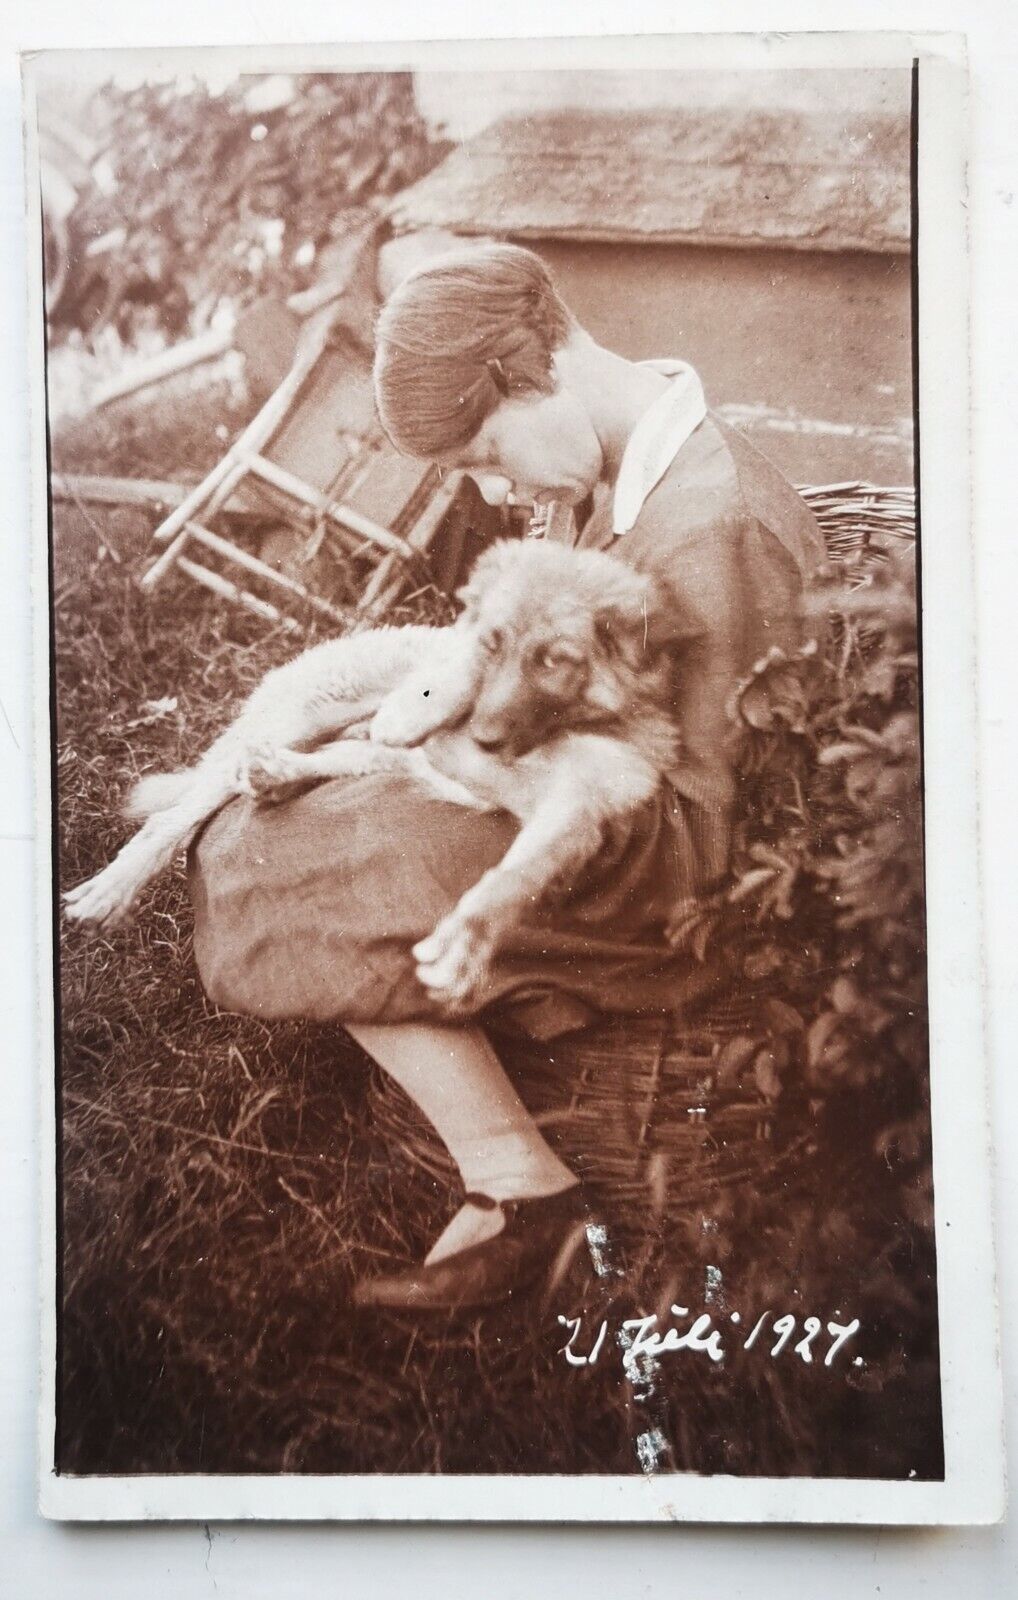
637, 1105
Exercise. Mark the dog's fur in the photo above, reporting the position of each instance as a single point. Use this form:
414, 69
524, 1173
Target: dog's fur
550, 698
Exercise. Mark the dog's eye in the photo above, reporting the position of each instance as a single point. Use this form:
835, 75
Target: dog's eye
559, 655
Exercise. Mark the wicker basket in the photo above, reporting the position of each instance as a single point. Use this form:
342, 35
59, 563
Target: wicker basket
637, 1106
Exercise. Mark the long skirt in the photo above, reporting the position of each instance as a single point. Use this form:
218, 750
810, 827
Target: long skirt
310, 908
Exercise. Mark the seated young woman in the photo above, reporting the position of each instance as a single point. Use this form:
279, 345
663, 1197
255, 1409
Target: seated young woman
313, 908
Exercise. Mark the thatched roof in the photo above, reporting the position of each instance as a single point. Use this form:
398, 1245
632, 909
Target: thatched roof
747, 178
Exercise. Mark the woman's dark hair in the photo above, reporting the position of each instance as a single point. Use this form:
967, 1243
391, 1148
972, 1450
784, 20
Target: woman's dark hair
458, 336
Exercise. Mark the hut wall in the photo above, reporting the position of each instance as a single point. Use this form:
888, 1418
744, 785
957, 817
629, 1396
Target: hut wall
812, 350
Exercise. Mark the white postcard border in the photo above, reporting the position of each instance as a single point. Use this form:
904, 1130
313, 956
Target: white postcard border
972, 1491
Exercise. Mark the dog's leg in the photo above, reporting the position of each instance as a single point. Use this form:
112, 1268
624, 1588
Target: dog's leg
453, 961
256, 741
244, 760
585, 788
111, 893
315, 695
434, 695
278, 773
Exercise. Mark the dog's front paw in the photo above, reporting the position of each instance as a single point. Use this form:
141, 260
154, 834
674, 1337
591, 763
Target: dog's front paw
454, 962
104, 899
269, 775
403, 719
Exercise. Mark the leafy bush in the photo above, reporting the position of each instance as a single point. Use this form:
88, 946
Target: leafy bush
224, 195
825, 905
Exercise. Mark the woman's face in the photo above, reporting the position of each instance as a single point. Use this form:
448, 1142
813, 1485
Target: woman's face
539, 448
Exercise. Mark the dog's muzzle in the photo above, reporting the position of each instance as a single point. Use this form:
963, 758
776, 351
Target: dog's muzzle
509, 739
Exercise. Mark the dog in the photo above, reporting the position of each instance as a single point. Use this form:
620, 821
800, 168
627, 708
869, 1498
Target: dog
550, 698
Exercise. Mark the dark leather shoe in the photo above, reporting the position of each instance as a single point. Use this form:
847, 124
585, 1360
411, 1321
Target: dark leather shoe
538, 1236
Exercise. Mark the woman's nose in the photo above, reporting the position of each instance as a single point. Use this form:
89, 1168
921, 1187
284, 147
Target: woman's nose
494, 489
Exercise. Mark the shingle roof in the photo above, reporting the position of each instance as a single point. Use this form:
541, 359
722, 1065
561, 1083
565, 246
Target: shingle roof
780, 179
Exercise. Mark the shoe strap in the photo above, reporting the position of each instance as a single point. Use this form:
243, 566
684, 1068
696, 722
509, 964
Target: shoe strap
512, 1208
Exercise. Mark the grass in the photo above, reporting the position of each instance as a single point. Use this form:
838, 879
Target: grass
223, 1182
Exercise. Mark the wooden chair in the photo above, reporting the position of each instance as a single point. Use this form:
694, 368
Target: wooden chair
315, 460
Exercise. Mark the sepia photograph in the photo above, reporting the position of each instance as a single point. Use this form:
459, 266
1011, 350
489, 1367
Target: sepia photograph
491, 1031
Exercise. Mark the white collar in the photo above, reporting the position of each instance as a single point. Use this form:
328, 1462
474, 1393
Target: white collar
656, 440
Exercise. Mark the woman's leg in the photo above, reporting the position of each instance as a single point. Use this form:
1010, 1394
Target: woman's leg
457, 1080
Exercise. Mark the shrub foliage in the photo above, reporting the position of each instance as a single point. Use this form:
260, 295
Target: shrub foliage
222, 195
825, 906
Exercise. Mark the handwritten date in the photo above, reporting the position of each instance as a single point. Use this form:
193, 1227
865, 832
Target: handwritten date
641, 1340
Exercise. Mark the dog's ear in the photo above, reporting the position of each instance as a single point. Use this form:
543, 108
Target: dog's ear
633, 618
484, 572
468, 595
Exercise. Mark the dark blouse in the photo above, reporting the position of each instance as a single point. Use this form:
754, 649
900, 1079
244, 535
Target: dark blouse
736, 548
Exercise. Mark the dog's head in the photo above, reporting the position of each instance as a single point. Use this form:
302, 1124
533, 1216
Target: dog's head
567, 639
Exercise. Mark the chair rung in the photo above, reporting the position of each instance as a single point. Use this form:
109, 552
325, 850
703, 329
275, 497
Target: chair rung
242, 597
261, 569
289, 484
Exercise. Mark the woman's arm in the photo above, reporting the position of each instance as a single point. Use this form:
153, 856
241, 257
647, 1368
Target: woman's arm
708, 608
